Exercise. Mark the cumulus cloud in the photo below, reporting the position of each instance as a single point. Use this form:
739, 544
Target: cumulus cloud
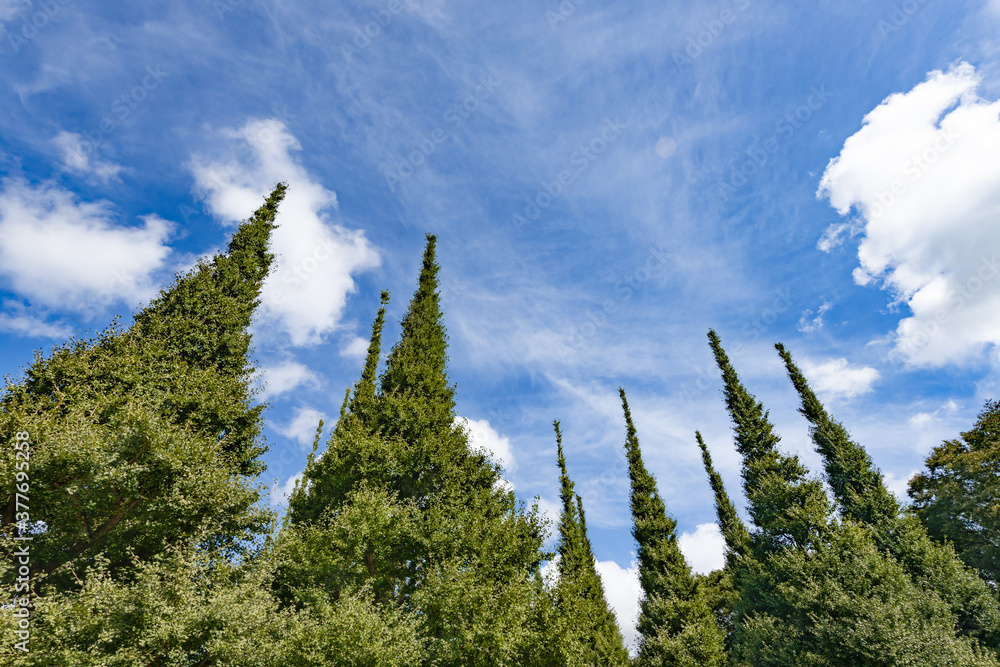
484, 438
837, 378
75, 158
283, 378
705, 548
58, 252
302, 428
621, 588
316, 258
921, 179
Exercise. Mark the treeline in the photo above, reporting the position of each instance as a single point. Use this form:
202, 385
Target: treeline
149, 543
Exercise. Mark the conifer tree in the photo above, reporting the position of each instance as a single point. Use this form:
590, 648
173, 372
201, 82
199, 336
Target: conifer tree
860, 491
676, 625
454, 546
819, 591
594, 635
787, 508
730, 524
955, 497
145, 435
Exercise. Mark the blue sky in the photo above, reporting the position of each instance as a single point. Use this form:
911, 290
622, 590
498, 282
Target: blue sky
607, 181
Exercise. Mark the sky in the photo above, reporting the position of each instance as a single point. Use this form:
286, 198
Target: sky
607, 181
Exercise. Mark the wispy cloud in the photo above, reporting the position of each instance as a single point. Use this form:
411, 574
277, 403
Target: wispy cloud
76, 158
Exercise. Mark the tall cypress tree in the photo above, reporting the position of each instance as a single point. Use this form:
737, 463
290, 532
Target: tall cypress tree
452, 544
594, 635
860, 491
734, 531
819, 591
676, 625
147, 434
785, 505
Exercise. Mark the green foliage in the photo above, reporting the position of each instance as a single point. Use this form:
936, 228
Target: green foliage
787, 507
594, 637
818, 591
676, 624
862, 496
956, 497
400, 503
189, 606
143, 435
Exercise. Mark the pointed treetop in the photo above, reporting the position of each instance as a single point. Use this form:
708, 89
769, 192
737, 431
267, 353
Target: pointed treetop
675, 625
784, 503
415, 378
651, 521
364, 390
733, 529
857, 484
569, 521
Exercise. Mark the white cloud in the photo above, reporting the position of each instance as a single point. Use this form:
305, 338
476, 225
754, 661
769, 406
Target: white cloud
899, 484
922, 176
705, 548
302, 428
837, 378
483, 437
281, 494
285, 377
316, 259
21, 323
621, 587
61, 253
76, 160
813, 321
356, 348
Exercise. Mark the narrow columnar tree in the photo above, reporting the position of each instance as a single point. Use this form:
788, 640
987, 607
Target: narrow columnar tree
787, 507
860, 491
593, 634
734, 531
676, 625
444, 537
